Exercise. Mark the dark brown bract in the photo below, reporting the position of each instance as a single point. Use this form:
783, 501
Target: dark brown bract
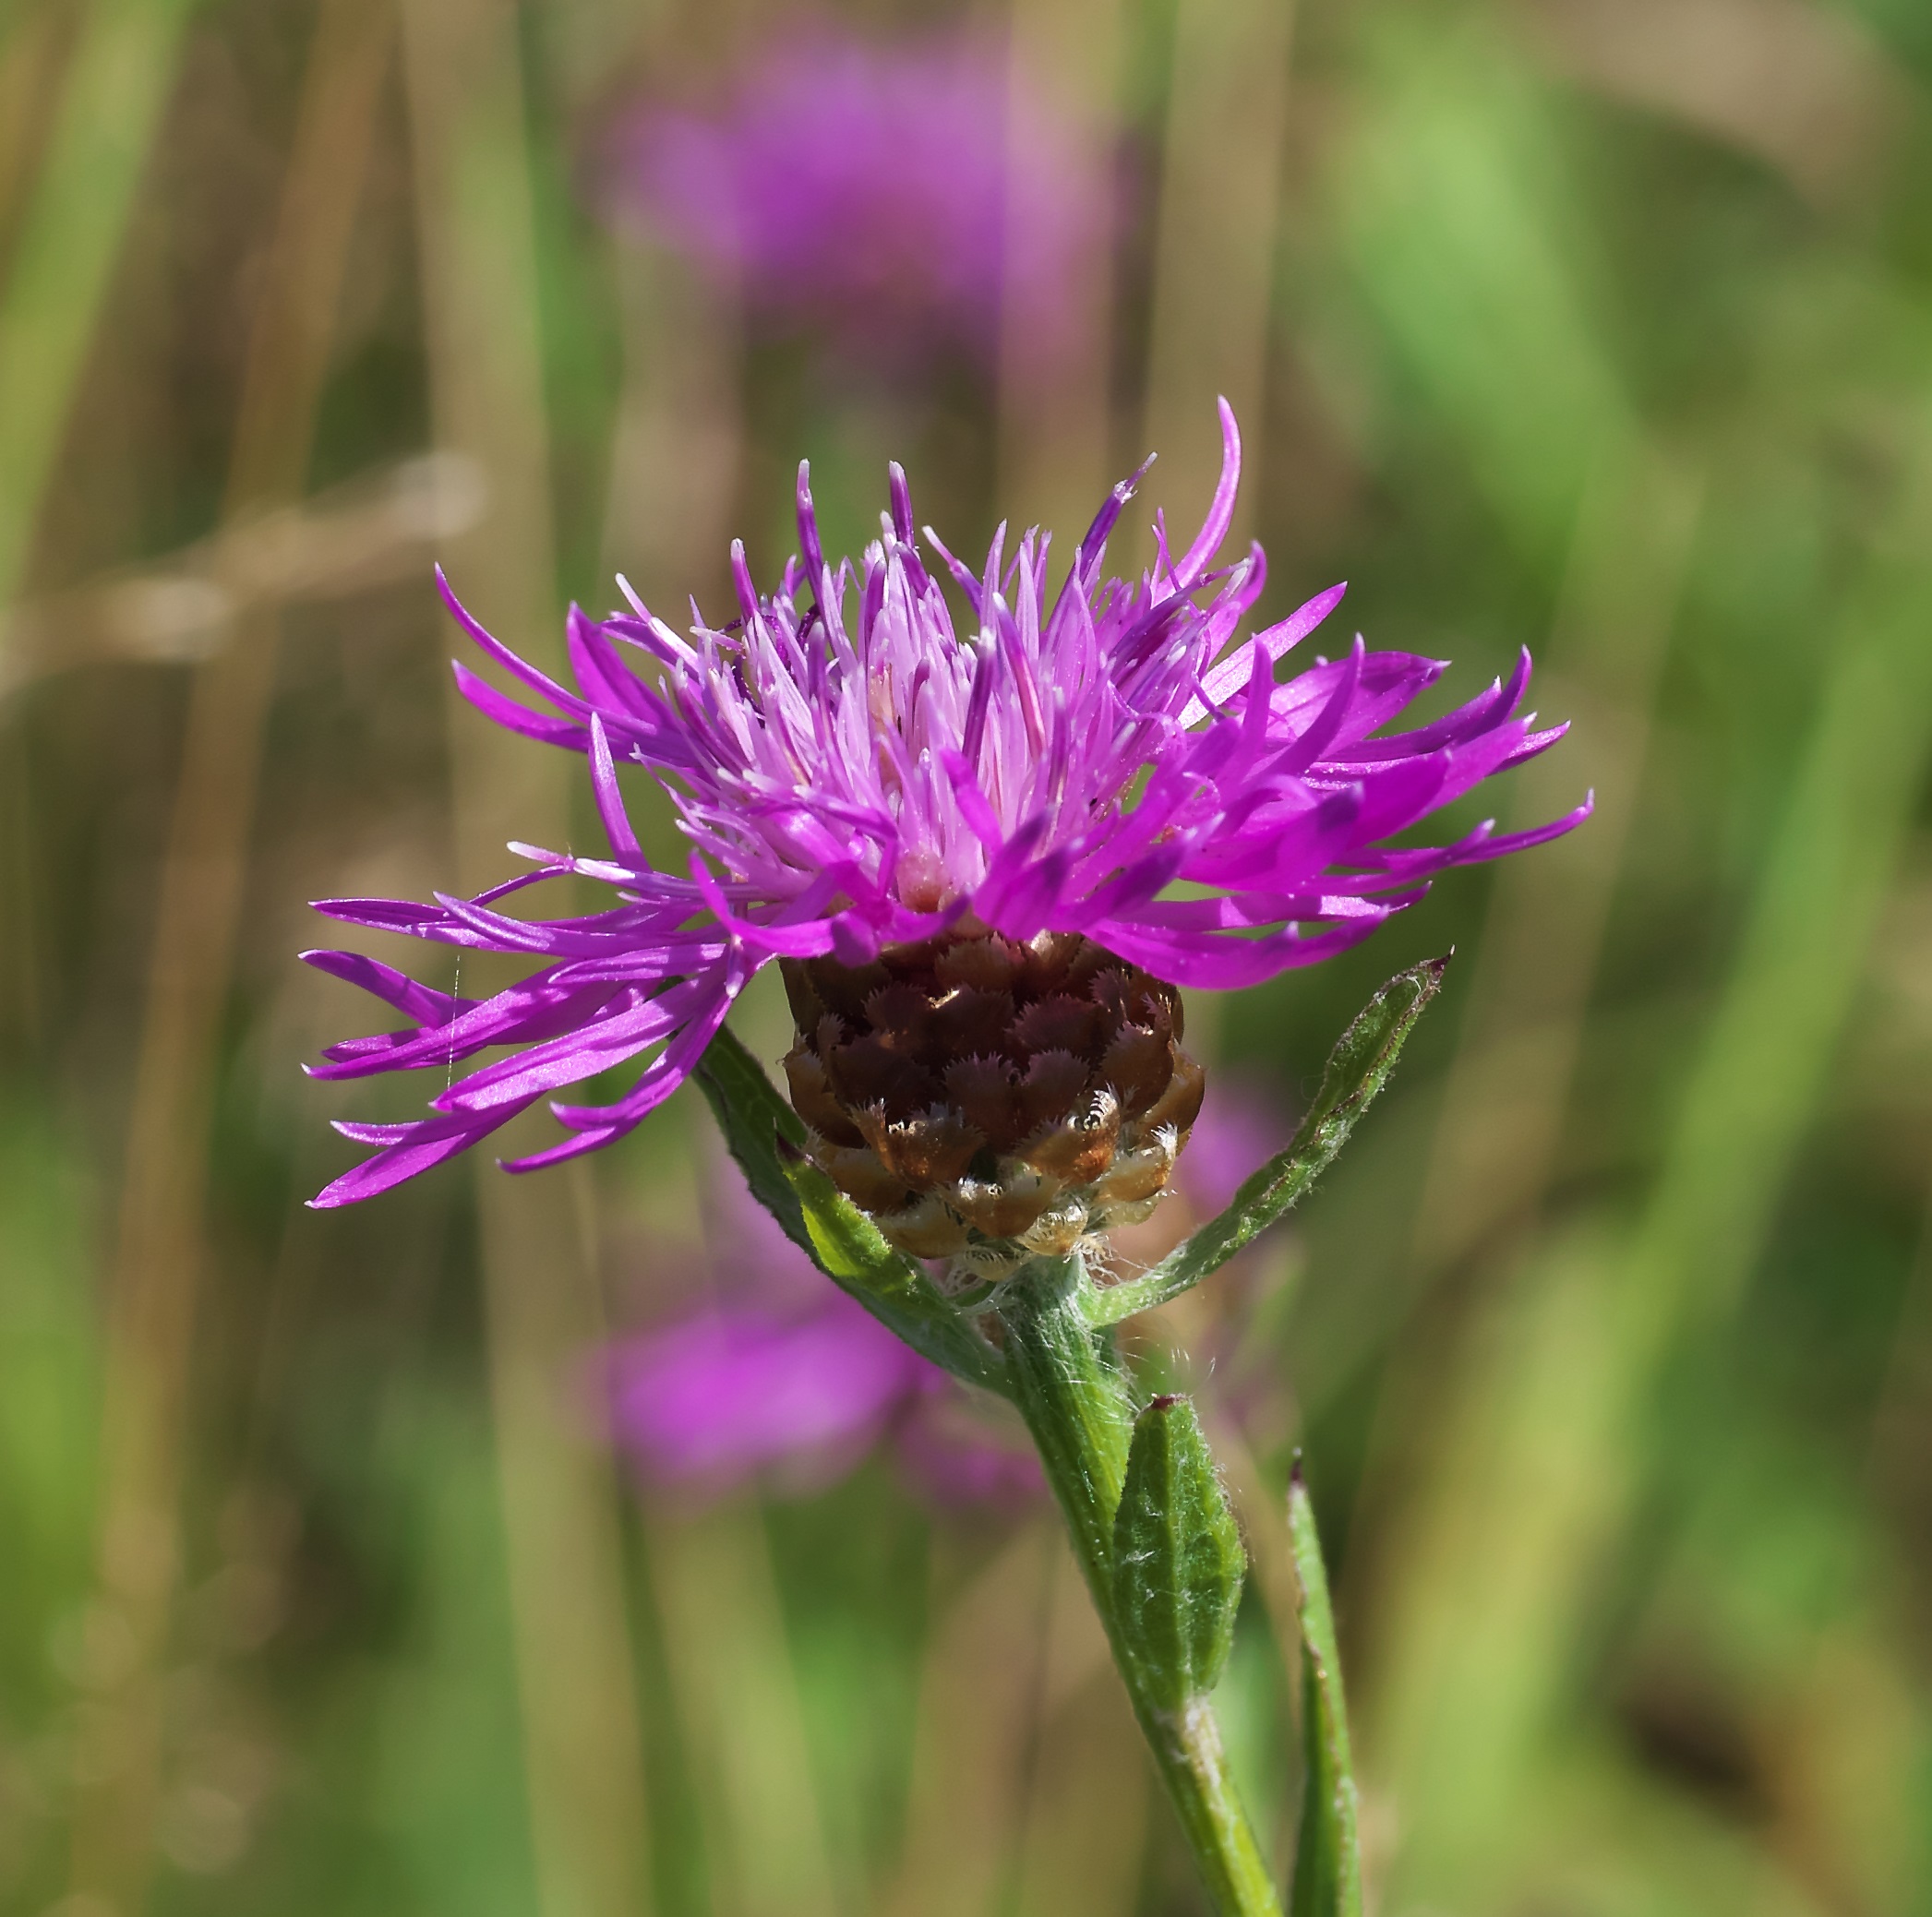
989, 1102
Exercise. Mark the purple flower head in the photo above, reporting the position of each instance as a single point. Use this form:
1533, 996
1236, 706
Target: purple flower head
901, 195
856, 769
784, 1371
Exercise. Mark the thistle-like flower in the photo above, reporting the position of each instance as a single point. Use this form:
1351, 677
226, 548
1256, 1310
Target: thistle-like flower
963, 840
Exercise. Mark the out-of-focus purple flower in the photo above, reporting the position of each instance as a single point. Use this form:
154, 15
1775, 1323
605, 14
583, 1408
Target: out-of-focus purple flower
858, 772
723, 1392
784, 1371
901, 195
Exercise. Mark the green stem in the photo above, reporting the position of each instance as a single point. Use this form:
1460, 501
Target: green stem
1076, 1402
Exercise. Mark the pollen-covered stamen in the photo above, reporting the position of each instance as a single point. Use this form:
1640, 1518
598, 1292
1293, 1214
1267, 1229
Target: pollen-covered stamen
986, 1100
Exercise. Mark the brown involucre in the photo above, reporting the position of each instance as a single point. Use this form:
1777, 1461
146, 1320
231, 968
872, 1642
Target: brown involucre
987, 1101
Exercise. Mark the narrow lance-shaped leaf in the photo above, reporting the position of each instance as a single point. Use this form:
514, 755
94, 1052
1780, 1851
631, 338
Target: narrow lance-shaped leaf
764, 1134
1358, 1069
1178, 1562
1327, 1851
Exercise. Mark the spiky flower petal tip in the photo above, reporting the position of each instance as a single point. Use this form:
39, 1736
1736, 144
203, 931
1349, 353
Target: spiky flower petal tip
859, 773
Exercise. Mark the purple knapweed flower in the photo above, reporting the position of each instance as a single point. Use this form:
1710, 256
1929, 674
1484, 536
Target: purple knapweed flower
857, 772
784, 1370
899, 194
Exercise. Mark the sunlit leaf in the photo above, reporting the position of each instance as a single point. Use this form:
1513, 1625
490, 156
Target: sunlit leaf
1178, 1562
1327, 1851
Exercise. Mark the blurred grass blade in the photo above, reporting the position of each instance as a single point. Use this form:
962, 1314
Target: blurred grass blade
33, 50
1327, 1851
677, 441
1087, 1797
1461, 223
1358, 1069
1527, 994
162, 1254
1064, 59
1535, 1473
50, 1385
118, 81
1467, 241
1757, 1079
479, 248
381, 528
1178, 1562
1221, 189
735, 1681
838, 1238
978, 1695
1499, 1528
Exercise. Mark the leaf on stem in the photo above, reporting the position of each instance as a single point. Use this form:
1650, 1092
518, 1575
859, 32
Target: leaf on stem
1178, 1562
1327, 1851
764, 1135
1358, 1069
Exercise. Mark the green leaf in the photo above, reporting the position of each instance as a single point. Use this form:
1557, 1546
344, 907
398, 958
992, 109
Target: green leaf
1178, 1562
1327, 1851
1358, 1069
764, 1135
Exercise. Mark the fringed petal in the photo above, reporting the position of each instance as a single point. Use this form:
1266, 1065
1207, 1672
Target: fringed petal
416, 1149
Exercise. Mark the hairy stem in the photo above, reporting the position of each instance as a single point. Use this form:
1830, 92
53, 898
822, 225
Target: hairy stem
1077, 1403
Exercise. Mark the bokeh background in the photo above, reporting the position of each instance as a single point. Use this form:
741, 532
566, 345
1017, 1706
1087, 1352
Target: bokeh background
1603, 325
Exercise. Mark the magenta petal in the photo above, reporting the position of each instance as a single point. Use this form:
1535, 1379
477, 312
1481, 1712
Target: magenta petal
617, 1031
513, 717
538, 1009
559, 696
420, 1148
421, 1003
1220, 511
1232, 672
610, 801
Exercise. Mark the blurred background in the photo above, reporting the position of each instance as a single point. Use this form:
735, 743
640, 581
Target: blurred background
328, 1580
